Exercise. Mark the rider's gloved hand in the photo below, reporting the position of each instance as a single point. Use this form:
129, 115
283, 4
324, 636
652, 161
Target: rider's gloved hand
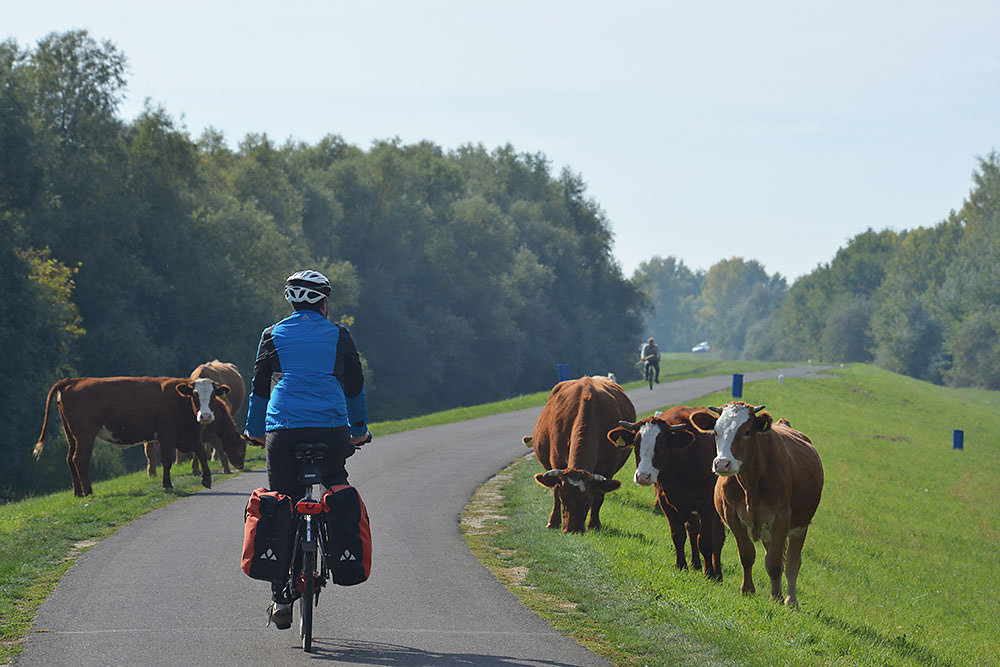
252, 440
357, 441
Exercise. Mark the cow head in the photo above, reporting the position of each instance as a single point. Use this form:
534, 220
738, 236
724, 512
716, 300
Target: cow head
653, 440
225, 429
735, 428
575, 490
201, 392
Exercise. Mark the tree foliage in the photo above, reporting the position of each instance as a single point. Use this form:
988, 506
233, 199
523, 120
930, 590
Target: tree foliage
129, 248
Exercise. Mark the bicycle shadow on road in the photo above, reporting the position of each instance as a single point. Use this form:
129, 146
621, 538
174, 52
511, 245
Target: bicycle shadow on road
379, 653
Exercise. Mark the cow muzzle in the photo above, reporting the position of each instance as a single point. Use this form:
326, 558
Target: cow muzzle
643, 478
205, 418
724, 467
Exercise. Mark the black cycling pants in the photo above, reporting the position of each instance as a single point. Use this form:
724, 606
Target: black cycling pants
283, 468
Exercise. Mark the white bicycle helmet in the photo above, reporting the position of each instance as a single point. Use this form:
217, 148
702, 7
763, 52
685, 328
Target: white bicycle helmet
306, 287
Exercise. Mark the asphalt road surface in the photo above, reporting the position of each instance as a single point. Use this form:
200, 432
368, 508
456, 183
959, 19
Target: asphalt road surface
167, 589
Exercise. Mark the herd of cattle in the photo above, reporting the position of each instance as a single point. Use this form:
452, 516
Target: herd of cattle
180, 414
709, 466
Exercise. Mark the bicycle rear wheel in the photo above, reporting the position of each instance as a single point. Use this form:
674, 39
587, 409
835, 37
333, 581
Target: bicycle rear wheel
307, 599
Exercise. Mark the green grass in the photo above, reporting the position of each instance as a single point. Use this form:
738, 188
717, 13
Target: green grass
901, 565
41, 537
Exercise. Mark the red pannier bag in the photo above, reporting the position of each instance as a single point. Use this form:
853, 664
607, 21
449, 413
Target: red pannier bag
267, 535
349, 535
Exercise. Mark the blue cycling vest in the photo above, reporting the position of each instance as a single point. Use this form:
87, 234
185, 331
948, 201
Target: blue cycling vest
301, 364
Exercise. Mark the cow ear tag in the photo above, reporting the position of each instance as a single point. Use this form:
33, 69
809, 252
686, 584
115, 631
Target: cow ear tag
621, 442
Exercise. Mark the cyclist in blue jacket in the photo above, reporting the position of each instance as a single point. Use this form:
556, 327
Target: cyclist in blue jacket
307, 387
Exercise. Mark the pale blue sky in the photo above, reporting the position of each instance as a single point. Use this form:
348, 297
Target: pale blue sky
706, 130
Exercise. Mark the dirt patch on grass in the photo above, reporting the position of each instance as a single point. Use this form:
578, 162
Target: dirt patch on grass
77, 549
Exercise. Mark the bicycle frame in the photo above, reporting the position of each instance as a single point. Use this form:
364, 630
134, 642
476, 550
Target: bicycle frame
309, 568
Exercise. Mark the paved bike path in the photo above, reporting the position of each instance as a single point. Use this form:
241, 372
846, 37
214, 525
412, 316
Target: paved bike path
167, 588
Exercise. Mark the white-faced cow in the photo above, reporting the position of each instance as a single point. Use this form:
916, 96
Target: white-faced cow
224, 374
570, 441
126, 411
676, 458
769, 486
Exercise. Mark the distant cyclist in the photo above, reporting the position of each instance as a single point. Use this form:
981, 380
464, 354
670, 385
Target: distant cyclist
307, 387
650, 356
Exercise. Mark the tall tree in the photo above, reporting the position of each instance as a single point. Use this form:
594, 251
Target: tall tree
671, 288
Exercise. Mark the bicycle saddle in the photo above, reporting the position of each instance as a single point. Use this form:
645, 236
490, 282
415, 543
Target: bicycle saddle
314, 450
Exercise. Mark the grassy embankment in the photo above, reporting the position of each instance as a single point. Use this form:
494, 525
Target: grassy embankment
41, 537
901, 565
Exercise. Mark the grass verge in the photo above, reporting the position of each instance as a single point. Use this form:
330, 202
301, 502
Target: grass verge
899, 568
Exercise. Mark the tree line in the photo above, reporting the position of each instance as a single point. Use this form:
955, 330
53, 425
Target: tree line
131, 248
922, 302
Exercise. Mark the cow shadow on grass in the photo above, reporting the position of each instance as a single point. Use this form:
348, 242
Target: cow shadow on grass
611, 531
903, 647
380, 653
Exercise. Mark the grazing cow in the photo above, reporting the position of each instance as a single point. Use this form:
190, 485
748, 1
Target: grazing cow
223, 373
676, 458
128, 410
769, 486
570, 441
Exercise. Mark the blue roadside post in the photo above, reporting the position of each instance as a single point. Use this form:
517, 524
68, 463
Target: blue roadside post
563, 370
957, 439
737, 385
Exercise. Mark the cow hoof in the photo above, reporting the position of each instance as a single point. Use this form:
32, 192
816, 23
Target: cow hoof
207, 483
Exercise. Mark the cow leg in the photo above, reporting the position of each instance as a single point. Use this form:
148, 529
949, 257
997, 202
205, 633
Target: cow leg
746, 548
218, 448
167, 453
595, 511
677, 532
707, 536
206, 474
693, 525
718, 533
149, 448
796, 538
81, 461
70, 456
70, 451
213, 446
555, 518
774, 557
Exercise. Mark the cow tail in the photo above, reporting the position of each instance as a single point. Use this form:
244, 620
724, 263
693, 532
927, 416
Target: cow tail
40, 445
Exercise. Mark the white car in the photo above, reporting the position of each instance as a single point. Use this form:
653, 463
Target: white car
703, 346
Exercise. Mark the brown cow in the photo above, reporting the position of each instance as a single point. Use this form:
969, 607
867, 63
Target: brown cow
223, 373
770, 482
677, 458
570, 441
128, 410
